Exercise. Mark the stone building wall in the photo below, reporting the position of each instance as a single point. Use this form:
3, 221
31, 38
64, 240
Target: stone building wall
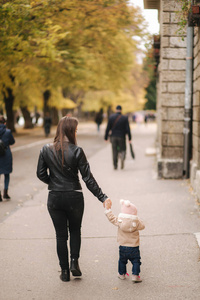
171, 93
195, 163
171, 96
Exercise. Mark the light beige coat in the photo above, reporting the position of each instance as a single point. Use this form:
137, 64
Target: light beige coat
128, 228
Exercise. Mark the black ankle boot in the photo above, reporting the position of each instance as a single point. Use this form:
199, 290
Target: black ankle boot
5, 194
65, 275
74, 267
1, 198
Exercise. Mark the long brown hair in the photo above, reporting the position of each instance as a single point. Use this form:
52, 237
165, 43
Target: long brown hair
66, 128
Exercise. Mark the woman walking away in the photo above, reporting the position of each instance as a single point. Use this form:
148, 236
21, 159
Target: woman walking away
58, 166
6, 139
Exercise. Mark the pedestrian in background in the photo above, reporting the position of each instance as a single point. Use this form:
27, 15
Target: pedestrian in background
128, 224
58, 166
47, 124
99, 119
6, 158
117, 128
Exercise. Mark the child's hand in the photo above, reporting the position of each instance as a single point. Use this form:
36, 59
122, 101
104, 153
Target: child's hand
107, 203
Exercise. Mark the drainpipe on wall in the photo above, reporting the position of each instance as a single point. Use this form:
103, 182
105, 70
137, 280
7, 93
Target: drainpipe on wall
187, 130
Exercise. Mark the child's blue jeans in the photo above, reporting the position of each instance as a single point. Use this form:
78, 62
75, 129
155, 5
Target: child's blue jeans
132, 254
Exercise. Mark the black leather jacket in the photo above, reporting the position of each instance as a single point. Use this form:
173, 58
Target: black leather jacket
65, 178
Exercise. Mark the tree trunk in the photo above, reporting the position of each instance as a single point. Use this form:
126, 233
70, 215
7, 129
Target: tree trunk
9, 100
27, 117
46, 96
54, 114
37, 115
109, 111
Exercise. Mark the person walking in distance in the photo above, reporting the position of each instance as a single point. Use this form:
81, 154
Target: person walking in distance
118, 127
99, 119
47, 124
6, 139
58, 166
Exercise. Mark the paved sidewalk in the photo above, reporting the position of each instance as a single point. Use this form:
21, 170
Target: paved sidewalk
170, 253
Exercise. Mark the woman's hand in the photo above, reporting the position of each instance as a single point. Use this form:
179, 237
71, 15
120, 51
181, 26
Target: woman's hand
107, 203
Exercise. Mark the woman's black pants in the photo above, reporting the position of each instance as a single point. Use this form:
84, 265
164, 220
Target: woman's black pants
66, 211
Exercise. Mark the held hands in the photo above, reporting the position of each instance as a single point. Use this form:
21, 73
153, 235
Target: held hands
107, 203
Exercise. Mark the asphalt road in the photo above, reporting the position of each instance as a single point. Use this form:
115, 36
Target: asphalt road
23, 181
169, 249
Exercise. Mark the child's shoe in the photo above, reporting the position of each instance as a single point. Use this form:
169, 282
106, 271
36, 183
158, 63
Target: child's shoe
122, 277
136, 278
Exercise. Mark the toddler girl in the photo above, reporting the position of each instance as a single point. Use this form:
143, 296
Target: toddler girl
128, 224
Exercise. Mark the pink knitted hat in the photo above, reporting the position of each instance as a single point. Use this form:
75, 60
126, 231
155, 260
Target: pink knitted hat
127, 207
